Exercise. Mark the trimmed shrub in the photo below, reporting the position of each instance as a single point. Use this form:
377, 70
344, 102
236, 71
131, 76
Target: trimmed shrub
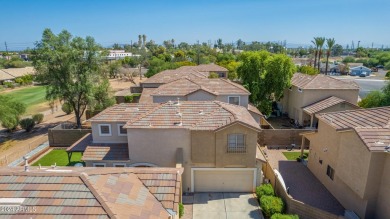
128, 99
264, 189
388, 75
213, 75
181, 210
27, 124
67, 108
9, 84
271, 205
38, 118
284, 216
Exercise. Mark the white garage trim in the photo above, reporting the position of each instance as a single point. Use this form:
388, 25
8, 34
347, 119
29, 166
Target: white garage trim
223, 169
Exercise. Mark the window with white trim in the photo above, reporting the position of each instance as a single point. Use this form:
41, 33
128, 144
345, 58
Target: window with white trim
104, 129
99, 164
121, 131
236, 143
234, 100
119, 165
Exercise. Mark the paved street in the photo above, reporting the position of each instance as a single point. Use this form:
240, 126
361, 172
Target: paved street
226, 206
366, 84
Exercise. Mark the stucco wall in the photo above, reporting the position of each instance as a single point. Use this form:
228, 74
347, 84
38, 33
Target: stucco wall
163, 99
383, 200
297, 100
201, 95
203, 147
224, 159
243, 99
114, 138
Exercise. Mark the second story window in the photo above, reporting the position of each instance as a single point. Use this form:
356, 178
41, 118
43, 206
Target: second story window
330, 172
121, 131
236, 143
234, 100
104, 129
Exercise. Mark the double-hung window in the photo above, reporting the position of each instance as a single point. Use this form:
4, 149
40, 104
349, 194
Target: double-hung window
236, 143
104, 129
234, 100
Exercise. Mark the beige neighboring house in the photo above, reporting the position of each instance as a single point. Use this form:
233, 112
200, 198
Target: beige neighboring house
310, 95
215, 142
350, 155
13, 73
85, 192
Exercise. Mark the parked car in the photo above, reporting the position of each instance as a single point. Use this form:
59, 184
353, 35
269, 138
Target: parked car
379, 66
363, 74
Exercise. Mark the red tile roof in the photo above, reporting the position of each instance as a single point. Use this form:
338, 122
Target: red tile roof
254, 109
324, 104
106, 152
320, 81
200, 71
185, 86
146, 95
124, 112
372, 125
91, 192
194, 115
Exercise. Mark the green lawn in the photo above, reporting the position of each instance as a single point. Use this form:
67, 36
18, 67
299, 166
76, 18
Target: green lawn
60, 157
295, 155
33, 97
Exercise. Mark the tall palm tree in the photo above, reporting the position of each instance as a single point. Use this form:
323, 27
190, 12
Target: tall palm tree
315, 42
143, 40
139, 41
321, 41
330, 43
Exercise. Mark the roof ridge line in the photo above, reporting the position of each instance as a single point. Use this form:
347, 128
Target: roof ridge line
206, 117
234, 84
146, 113
102, 201
233, 114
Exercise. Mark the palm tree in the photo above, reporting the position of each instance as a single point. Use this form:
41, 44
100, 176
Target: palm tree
321, 41
139, 41
330, 43
143, 40
315, 42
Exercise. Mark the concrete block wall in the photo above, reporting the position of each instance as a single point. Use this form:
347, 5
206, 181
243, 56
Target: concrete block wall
65, 137
280, 137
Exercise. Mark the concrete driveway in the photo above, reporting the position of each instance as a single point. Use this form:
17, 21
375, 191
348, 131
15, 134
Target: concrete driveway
226, 206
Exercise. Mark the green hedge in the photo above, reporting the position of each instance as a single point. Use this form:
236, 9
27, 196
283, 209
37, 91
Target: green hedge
181, 210
271, 205
284, 216
38, 118
27, 124
264, 189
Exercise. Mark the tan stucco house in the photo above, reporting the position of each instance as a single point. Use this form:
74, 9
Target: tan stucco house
215, 142
310, 95
350, 155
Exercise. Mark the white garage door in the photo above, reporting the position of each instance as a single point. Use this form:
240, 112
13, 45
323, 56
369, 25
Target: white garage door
223, 179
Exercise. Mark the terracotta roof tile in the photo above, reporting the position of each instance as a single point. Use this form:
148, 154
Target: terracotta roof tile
372, 125
92, 192
108, 152
324, 104
185, 86
320, 81
146, 95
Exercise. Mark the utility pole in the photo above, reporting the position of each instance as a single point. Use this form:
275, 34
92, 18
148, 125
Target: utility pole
6, 47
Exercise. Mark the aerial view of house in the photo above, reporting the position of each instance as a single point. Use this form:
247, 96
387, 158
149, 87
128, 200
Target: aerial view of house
350, 156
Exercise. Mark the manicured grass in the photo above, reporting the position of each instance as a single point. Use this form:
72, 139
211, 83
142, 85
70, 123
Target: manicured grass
31, 96
295, 155
60, 157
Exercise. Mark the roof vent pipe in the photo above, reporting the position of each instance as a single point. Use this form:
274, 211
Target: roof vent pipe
25, 158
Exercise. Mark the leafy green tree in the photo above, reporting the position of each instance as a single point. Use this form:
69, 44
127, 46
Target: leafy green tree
102, 98
316, 46
10, 112
348, 59
361, 52
266, 76
70, 66
307, 69
213, 75
27, 124
373, 99
330, 43
337, 50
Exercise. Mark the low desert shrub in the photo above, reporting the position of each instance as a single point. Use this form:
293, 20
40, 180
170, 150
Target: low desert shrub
181, 210
271, 205
38, 118
27, 124
264, 189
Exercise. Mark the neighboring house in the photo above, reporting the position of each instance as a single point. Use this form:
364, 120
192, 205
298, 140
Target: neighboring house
350, 155
215, 142
306, 90
119, 54
357, 71
13, 73
71, 192
354, 64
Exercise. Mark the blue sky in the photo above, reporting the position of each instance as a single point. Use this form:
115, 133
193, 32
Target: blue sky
296, 21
